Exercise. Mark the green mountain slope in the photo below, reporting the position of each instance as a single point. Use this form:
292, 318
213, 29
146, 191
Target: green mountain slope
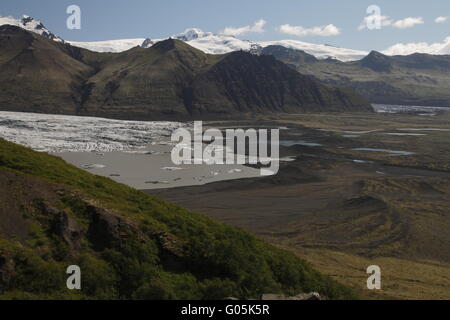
170, 80
128, 244
417, 79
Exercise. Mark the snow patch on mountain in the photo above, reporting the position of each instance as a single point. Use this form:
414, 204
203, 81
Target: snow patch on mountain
109, 45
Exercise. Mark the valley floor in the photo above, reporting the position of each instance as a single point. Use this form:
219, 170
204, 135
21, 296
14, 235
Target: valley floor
372, 190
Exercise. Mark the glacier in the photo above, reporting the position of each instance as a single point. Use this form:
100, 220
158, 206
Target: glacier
60, 133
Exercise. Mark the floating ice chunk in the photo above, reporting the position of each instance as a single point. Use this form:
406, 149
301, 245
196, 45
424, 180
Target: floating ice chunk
423, 129
172, 168
404, 134
156, 182
394, 152
93, 166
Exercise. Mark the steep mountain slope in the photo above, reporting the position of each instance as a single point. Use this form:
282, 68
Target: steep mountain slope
129, 245
173, 79
417, 79
37, 74
145, 83
169, 80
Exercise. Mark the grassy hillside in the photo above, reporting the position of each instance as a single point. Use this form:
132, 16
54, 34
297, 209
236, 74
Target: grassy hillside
128, 244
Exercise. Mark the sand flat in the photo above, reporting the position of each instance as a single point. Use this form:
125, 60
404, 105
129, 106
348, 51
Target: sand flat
152, 168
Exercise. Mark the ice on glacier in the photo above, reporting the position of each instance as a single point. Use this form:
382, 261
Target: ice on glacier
59, 133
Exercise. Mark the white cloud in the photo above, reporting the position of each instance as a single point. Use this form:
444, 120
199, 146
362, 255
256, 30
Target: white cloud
323, 31
440, 19
420, 47
385, 21
257, 27
407, 22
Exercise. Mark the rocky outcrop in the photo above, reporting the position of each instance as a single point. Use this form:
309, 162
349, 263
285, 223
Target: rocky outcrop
6, 271
62, 225
108, 229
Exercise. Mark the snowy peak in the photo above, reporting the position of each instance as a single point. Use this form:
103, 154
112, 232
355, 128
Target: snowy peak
192, 34
147, 43
30, 24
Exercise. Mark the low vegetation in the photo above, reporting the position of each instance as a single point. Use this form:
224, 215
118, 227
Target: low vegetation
128, 244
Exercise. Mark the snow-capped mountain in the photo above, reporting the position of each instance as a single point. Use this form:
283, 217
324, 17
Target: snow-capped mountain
213, 43
30, 24
320, 51
206, 41
221, 43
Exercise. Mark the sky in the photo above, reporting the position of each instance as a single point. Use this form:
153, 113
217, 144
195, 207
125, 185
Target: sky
331, 22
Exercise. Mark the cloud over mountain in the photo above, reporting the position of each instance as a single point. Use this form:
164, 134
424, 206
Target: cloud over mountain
257, 27
380, 21
299, 31
441, 19
408, 22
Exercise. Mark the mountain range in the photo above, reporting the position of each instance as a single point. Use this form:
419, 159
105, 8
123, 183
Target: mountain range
219, 43
213, 43
174, 79
416, 79
207, 42
169, 80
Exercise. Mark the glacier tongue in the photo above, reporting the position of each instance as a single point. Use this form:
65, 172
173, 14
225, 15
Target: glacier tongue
58, 133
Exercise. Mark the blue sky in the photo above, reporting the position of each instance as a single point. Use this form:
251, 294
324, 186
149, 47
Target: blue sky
113, 19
